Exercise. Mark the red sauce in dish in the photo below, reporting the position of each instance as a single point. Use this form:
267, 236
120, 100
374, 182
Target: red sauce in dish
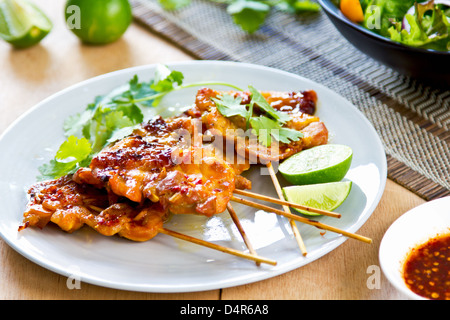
427, 269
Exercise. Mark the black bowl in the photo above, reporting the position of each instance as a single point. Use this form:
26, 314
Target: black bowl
428, 65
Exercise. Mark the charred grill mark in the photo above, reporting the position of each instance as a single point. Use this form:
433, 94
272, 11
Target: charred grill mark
155, 125
143, 151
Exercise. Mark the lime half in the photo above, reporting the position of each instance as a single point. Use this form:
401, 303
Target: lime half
321, 164
325, 196
22, 24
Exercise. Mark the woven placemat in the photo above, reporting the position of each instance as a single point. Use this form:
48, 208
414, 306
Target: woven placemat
412, 119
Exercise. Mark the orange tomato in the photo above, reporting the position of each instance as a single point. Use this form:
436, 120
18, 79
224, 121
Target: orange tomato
352, 10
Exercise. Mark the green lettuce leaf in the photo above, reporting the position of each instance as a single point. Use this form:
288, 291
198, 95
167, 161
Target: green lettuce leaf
379, 15
427, 31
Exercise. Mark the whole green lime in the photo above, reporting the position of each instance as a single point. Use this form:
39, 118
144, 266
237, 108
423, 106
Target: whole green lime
321, 164
98, 21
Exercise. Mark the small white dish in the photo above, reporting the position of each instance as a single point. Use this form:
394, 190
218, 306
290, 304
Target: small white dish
413, 228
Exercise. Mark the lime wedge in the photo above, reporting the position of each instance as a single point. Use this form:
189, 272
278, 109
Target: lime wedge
325, 196
22, 24
325, 163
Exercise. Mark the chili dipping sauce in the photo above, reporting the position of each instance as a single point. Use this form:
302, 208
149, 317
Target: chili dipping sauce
427, 268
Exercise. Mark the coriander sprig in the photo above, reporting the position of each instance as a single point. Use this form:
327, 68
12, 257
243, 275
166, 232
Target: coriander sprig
267, 126
113, 117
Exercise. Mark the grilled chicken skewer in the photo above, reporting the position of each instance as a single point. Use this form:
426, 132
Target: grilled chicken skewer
71, 206
161, 162
300, 106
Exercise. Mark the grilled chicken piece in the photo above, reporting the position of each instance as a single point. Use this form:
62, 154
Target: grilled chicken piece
49, 199
162, 161
71, 205
299, 105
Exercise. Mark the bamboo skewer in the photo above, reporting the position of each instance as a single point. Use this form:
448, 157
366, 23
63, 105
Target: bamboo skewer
236, 221
217, 247
214, 246
286, 209
286, 203
301, 219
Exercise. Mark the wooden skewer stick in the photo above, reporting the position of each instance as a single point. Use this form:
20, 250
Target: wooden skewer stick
301, 219
217, 247
286, 209
286, 203
236, 221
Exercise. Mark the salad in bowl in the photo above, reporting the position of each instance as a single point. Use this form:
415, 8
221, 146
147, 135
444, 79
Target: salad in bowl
424, 25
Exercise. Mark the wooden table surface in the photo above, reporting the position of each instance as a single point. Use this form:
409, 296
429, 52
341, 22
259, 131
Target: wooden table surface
28, 76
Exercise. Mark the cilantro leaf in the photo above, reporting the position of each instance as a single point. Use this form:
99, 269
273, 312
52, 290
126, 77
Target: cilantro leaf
116, 120
73, 125
286, 135
174, 4
132, 112
136, 91
266, 129
140, 90
104, 124
166, 78
121, 133
248, 14
258, 99
230, 106
73, 149
71, 155
262, 127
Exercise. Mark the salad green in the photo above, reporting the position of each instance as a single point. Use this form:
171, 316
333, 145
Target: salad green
418, 24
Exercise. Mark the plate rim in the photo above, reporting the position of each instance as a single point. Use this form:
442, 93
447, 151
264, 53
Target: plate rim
260, 276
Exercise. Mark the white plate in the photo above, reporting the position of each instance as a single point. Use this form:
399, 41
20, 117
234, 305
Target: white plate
413, 228
165, 264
